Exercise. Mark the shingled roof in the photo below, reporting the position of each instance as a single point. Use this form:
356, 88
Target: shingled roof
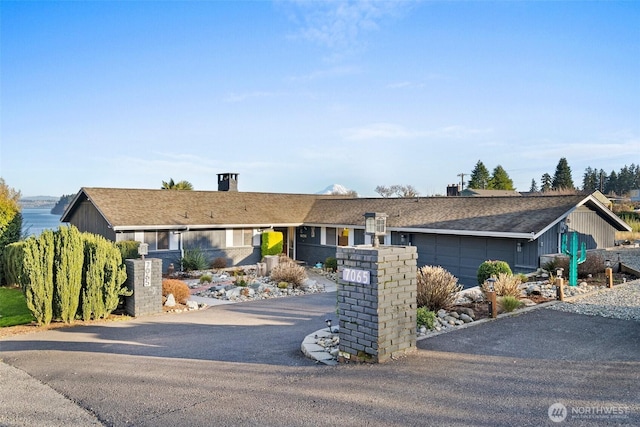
135, 208
526, 217
491, 216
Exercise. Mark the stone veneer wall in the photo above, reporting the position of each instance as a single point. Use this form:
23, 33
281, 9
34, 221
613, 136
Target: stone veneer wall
147, 291
377, 320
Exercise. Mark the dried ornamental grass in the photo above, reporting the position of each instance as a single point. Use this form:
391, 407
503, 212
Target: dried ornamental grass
289, 272
505, 284
178, 288
436, 288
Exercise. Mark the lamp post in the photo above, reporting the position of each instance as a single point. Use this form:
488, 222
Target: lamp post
559, 284
375, 224
491, 298
608, 273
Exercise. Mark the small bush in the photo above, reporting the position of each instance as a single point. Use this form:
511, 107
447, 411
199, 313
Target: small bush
219, 263
491, 268
331, 263
425, 317
206, 278
289, 272
128, 249
194, 259
523, 278
509, 303
504, 285
178, 288
436, 288
283, 285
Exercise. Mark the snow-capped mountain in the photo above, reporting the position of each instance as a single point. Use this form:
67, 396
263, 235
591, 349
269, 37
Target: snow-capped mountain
335, 189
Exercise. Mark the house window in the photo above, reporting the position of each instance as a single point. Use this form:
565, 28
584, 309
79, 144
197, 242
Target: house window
243, 237
332, 239
157, 240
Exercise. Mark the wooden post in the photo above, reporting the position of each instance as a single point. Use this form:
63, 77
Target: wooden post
608, 272
493, 304
560, 290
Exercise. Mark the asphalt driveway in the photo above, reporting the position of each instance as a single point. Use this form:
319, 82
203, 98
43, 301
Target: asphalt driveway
241, 364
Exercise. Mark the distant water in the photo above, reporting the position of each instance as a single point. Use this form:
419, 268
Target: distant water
35, 221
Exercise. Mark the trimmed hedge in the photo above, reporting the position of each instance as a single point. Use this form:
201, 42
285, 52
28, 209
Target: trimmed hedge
492, 268
272, 243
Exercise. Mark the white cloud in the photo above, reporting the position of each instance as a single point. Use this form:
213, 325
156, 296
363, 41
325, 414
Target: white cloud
394, 131
340, 23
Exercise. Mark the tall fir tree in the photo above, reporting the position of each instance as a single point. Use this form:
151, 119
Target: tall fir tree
546, 183
500, 179
534, 186
480, 177
562, 179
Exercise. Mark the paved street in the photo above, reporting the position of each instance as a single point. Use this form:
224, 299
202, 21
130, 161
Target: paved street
240, 364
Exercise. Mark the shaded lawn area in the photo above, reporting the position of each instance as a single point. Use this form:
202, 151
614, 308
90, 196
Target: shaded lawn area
13, 308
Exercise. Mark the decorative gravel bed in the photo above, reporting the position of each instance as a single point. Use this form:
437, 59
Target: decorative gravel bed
621, 302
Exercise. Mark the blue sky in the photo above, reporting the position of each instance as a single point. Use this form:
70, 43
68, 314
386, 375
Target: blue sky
295, 96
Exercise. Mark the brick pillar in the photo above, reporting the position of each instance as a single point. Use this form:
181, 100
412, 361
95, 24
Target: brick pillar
378, 318
144, 277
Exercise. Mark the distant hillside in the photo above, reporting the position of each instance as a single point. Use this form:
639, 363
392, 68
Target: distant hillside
38, 202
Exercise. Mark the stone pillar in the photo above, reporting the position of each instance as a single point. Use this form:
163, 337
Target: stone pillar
144, 278
376, 302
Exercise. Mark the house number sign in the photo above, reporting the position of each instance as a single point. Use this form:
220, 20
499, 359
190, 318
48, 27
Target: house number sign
357, 276
147, 273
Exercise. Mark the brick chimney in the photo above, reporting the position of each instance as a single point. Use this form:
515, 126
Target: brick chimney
227, 182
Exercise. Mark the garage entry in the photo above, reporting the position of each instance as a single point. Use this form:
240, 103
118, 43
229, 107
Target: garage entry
462, 255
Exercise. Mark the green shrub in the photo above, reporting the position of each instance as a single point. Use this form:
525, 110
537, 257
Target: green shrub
425, 317
194, 260
331, 263
491, 268
69, 261
178, 288
509, 303
436, 287
37, 277
289, 272
10, 220
103, 277
206, 278
272, 243
128, 249
13, 258
219, 263
283, 285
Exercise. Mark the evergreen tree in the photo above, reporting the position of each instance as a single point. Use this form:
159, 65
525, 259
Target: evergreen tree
480, 177
612, 184
69, 260
546, 183
37, 277
562, 179
10, 219
590, 180
534, 186
500, 179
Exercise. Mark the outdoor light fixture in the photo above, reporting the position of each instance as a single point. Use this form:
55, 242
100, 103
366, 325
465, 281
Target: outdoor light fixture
328, 322
559, 272
143, 249
375, 224
607, 263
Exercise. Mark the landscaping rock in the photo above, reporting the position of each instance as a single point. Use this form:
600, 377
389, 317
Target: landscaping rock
171, 301
466, 318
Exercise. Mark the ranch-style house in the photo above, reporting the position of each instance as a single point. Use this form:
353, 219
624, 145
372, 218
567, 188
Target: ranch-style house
457, 233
